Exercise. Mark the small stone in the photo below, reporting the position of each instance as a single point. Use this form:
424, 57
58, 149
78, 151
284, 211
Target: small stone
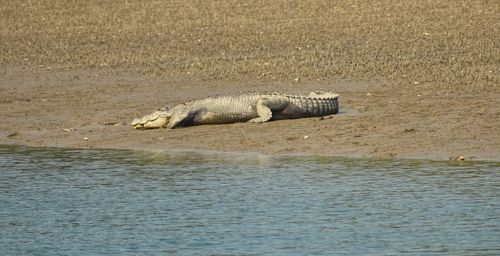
305, 137
296, 79
67, 130
368, 94
85, 138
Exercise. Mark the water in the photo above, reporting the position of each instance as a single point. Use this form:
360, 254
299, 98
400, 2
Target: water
109, 202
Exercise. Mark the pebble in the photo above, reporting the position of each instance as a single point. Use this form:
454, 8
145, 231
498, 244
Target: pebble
458, 158
85, 138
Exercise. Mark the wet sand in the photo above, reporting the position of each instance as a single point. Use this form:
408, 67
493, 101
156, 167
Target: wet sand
376, 119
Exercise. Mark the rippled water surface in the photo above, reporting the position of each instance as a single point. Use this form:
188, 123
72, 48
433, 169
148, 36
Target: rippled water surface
86, 202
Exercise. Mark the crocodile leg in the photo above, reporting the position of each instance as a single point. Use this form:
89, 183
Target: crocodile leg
263, 111
179, 117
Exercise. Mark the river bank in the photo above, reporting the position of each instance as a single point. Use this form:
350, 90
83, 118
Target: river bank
417, 79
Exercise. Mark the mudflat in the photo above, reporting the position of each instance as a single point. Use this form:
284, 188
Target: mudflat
417, 80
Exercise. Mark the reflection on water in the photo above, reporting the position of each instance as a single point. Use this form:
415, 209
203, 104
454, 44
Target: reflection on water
60, 201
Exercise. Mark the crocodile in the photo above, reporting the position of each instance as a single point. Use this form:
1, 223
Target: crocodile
244, 107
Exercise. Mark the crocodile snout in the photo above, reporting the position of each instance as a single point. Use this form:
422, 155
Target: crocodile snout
150, 122
137, 124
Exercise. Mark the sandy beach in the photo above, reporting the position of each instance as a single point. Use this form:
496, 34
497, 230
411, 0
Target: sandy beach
414, 83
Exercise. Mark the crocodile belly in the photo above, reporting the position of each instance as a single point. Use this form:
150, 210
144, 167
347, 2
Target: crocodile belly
222, 117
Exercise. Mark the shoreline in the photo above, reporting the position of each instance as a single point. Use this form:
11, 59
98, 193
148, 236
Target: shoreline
260, 155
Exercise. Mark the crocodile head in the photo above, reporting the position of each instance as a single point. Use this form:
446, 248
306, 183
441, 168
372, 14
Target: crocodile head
157, 119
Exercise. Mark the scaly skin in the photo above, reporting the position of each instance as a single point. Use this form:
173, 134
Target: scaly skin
249, 107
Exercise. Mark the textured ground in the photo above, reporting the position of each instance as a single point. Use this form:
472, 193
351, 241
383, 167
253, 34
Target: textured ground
419, 78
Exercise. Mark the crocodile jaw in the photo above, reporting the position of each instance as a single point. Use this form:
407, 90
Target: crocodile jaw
157, 119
